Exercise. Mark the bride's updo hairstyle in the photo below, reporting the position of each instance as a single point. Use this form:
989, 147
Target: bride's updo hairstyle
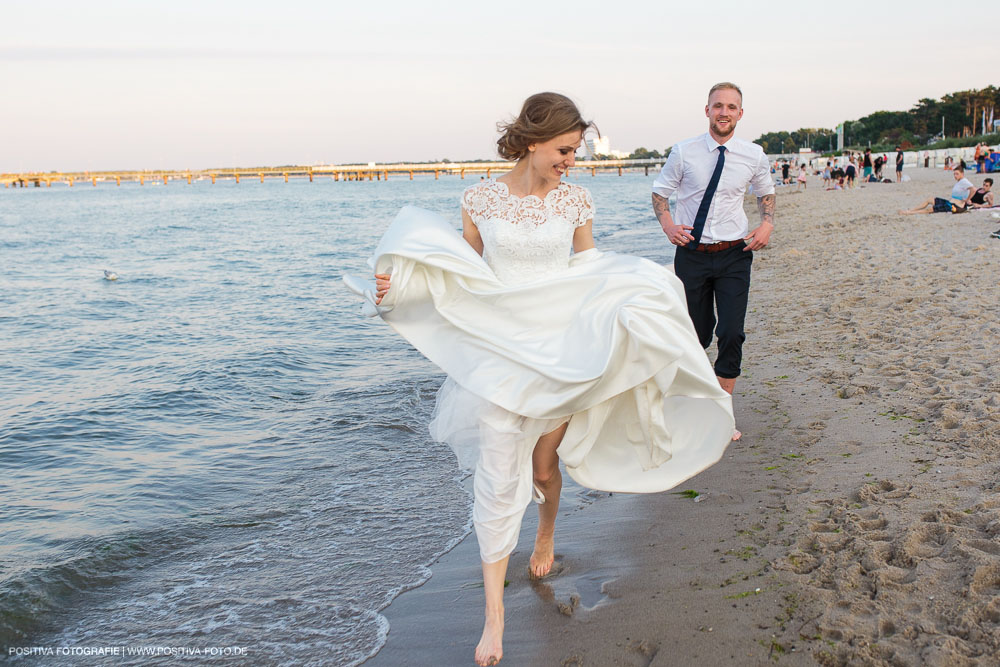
544, 116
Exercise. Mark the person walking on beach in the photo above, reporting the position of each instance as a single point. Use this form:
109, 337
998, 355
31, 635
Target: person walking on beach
899, 164
866, 165
710, 174
851, 172
802, 179
548, 355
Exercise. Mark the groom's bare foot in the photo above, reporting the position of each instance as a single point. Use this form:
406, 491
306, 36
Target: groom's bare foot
736, 435
490, 649
540, 563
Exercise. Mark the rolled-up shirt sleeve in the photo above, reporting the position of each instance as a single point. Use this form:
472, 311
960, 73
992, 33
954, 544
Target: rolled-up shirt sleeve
762, 182
670, 175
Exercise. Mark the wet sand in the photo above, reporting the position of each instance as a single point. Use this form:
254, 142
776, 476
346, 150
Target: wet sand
857, 522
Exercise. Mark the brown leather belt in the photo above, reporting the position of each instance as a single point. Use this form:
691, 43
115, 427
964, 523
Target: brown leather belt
717, 247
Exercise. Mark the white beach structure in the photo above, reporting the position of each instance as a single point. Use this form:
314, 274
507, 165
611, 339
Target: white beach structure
602, 146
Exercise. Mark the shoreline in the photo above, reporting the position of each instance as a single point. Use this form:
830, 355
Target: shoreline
861, 501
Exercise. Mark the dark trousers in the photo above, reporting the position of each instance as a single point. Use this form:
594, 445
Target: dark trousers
717, 281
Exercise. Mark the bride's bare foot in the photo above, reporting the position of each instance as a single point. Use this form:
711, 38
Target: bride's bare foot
490, 649
540, 563
736, 435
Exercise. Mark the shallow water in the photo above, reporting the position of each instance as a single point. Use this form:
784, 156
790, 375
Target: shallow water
217, 450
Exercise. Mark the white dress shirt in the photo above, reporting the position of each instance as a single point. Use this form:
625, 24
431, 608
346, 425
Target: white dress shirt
689, 169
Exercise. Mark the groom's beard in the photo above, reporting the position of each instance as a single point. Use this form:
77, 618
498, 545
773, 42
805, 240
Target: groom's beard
724, 132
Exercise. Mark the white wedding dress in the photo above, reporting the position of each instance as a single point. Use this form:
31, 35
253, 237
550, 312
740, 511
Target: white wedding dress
532, 337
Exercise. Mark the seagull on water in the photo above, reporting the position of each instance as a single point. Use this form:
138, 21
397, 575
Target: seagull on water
110, 275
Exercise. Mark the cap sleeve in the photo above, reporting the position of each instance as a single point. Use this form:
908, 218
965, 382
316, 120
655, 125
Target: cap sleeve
472, 203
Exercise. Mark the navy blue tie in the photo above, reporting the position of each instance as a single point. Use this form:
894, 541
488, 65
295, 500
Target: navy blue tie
706, 201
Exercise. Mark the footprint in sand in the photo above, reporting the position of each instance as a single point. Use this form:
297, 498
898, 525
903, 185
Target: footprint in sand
991, 502
875, 492
985, 546
824, 527
567, 608
798, 562
927, 541
986, 580
873, 524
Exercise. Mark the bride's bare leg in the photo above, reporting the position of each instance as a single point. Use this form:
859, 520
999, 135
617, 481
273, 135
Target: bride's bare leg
490, 648
545, 467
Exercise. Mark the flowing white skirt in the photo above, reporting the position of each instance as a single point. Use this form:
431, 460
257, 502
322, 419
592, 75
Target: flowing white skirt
606, 345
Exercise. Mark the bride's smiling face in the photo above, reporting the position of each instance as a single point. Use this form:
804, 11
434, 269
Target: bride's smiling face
550, 159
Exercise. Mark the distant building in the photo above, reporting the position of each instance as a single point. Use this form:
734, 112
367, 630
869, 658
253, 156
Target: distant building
602, 146
599, 145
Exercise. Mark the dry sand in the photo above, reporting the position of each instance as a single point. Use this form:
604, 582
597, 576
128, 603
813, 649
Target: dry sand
857, 522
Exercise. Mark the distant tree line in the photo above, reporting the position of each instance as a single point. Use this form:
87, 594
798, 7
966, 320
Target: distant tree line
643, 153
883, 130
819, 139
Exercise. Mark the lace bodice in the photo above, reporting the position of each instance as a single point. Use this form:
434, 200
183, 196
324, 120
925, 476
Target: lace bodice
526, 238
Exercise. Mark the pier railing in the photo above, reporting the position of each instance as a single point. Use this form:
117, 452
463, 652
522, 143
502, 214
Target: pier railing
343, 172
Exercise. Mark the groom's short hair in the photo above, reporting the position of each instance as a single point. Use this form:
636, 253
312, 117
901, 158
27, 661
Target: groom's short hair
725, 85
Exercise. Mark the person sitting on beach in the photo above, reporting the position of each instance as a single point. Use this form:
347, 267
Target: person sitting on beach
983, 197
959, 201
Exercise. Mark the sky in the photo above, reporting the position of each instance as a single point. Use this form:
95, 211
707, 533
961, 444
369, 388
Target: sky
194, 85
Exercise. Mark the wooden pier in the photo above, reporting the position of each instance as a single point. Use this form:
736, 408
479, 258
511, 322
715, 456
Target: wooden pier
348, 172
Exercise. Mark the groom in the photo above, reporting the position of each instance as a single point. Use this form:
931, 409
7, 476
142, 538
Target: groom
710, 174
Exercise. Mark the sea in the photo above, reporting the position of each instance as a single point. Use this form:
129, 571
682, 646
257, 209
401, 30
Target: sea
215, 456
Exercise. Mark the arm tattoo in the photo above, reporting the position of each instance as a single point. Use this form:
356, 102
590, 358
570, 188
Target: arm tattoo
765, 205
660, 205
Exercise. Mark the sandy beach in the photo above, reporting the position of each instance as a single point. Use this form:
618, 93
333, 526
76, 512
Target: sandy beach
858, 520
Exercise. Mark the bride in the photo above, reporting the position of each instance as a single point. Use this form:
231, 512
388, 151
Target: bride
587, 358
